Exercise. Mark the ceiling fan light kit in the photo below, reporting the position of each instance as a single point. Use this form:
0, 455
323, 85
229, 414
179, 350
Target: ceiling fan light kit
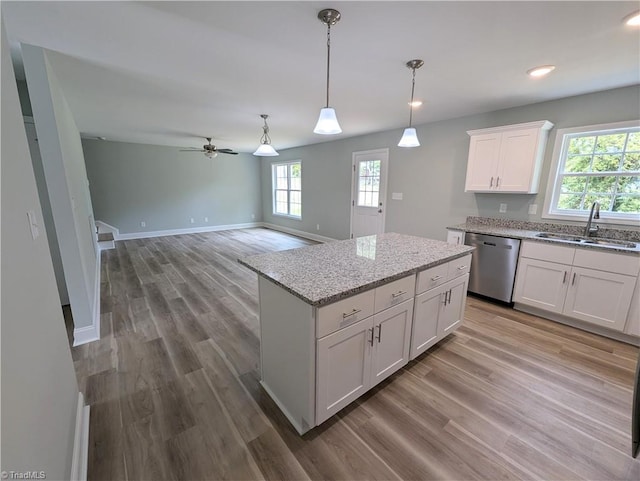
265, 149
409, 136
328, 121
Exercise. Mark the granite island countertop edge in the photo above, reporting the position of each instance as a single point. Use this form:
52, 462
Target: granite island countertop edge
362, 288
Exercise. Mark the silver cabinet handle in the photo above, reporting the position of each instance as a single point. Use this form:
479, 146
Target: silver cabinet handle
564, 278
379, 332
498, 182
462, 267
398, 294
371, 340
436, 278
491, 183
355, 311
573, 281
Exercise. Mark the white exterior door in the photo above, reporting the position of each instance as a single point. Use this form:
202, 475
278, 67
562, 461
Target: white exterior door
369, 192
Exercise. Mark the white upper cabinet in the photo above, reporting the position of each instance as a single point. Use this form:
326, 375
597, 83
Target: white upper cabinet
507, 159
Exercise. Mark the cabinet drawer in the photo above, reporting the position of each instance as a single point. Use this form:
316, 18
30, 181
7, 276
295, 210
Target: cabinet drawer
394, 293
547, 252
459, 267
433, 277
343, 313
607, 261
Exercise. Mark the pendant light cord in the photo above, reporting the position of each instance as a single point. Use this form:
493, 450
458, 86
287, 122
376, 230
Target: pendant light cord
328, 58
413, 87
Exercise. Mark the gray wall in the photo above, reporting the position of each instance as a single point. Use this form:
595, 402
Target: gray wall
66, 178
39, 390
431, 177
165, 188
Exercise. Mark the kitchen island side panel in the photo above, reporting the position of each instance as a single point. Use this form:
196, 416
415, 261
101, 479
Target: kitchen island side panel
287, 353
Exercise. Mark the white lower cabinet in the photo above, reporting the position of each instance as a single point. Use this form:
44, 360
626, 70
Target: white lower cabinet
356, 358
541, 284
598, 297
439, 307
591, 286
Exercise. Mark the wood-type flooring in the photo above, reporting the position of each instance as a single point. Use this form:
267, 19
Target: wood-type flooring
174, 393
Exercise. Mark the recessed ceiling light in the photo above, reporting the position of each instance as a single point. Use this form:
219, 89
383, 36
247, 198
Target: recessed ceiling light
633, 19
541, 70
416, 103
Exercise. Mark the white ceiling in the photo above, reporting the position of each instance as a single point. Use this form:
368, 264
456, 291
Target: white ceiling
170, 73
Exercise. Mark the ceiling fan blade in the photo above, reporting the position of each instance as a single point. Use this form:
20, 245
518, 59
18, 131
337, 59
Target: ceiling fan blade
226, 151
192, 150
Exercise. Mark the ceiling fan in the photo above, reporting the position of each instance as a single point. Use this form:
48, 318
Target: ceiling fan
210, 150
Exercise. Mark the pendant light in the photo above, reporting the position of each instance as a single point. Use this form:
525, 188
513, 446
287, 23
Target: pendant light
265, 149
409, 136
327, 121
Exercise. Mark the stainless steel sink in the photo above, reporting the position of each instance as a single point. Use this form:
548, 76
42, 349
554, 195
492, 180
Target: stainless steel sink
556, 236
618, 244
610, 243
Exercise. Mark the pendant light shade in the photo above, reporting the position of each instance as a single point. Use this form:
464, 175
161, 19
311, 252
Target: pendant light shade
409, 136
265, 149
327, 121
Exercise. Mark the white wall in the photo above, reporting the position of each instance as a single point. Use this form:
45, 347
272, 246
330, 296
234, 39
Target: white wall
66, 178
39, 389
165, 188
432, 176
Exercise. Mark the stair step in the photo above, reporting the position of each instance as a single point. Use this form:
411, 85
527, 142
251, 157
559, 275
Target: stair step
105, 236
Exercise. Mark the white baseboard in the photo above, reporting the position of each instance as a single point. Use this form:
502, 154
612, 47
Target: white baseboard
79, 460
193, 230
299, 233
83, 335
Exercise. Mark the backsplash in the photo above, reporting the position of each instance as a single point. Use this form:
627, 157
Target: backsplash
608, 233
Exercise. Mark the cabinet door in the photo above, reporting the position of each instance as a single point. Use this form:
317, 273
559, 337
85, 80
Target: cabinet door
541, 284
452, 312
344, 367
482, 167
392, 331
598, 297
517, 160
425, 320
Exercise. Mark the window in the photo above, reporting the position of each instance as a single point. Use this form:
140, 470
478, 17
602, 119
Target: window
287, 189
598, 163
368, 183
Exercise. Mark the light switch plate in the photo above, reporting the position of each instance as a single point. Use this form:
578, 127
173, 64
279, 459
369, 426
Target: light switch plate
396, 196
533, 209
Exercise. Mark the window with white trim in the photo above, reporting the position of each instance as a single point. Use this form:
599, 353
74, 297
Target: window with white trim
287, 189
597, 163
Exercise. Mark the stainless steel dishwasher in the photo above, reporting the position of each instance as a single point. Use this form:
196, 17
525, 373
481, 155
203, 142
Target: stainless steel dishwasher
493, 267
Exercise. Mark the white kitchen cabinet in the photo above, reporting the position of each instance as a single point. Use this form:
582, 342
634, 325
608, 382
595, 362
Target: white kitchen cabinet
633, 319
598, 297
344, 367
392, 334
356, 358
507, 159
439, 305
452, 310
592, 286
455, 237
541, 284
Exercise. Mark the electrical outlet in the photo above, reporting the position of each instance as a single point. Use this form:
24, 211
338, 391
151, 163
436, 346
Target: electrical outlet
143, 224
253, 216
317, 226
206, 219
503, 208
533, 209
192, 220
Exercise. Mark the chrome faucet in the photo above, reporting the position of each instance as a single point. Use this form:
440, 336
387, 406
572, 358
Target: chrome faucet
593, 214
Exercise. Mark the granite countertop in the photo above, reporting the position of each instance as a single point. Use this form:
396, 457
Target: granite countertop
325, 273
528, 230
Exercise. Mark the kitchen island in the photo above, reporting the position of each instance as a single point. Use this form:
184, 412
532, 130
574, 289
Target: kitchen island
338, 318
